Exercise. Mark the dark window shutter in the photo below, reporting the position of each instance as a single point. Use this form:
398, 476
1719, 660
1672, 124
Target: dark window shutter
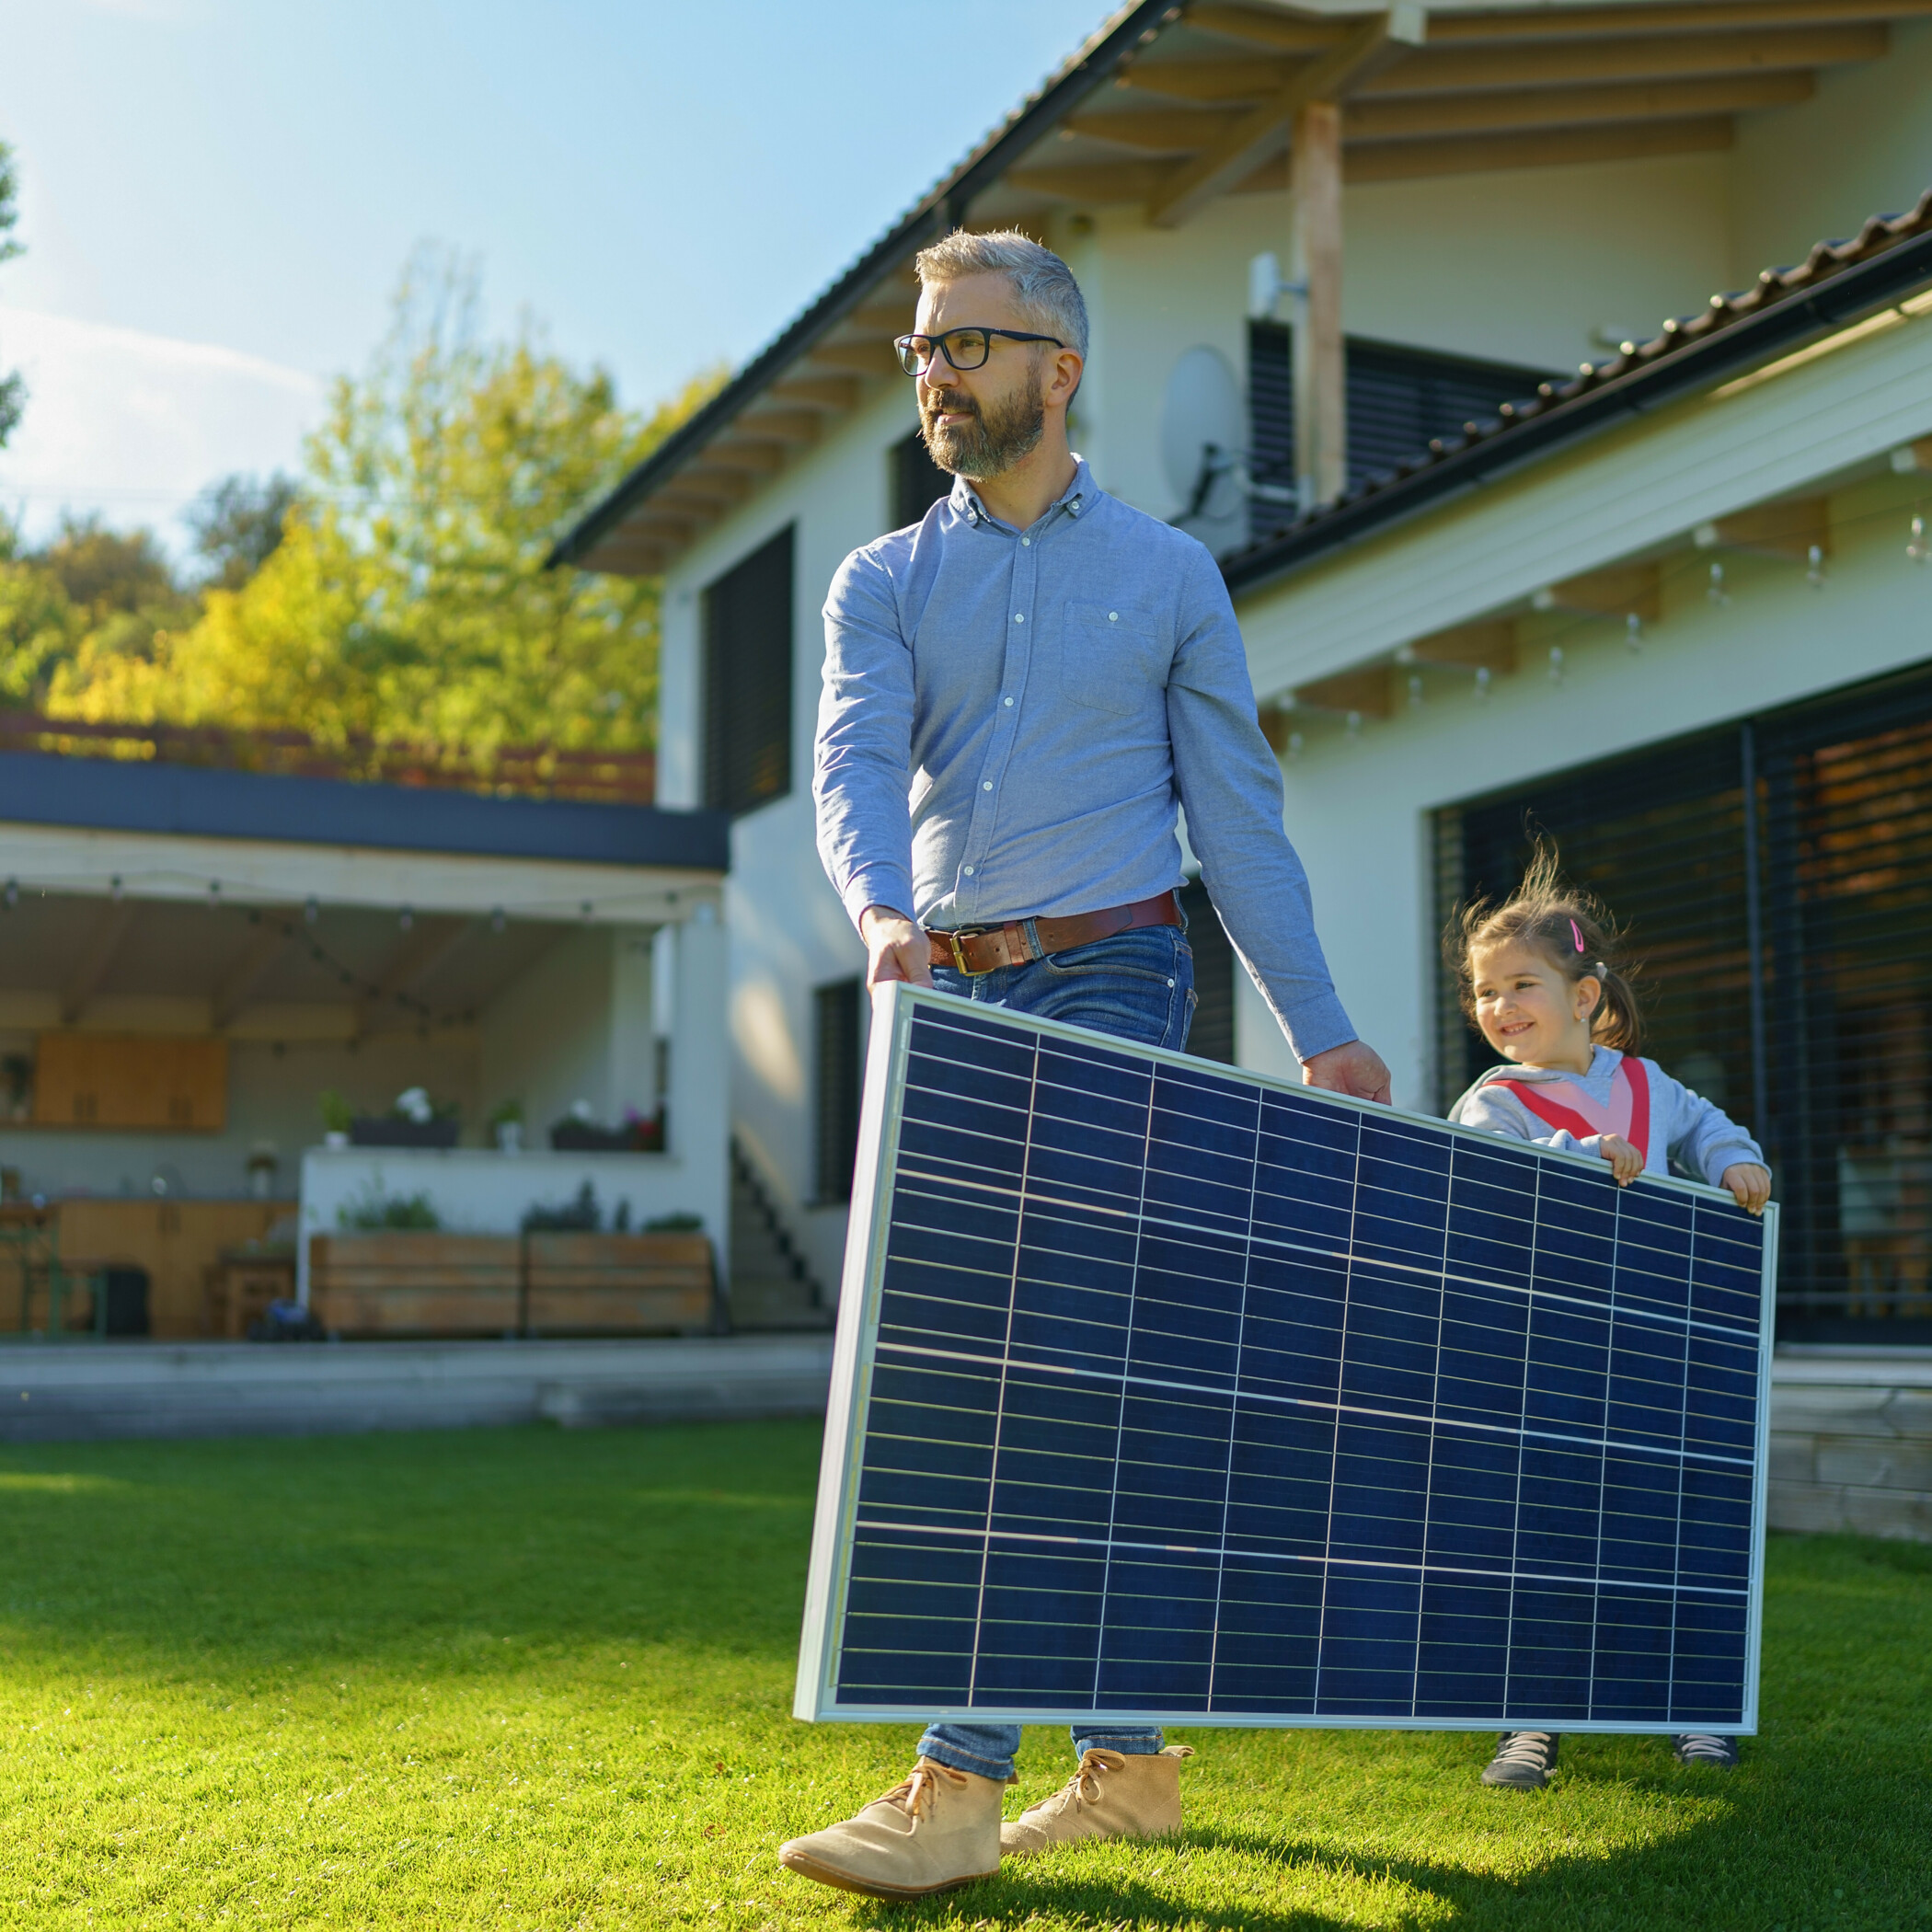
747, 680
1786, 925
838, 1025
917, 481
1212, 1036
1398, 400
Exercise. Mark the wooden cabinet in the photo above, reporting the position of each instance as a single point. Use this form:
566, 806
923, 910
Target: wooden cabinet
131, 1080
176, 1241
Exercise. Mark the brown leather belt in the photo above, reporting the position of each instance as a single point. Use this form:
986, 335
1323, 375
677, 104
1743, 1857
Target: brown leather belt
981, 949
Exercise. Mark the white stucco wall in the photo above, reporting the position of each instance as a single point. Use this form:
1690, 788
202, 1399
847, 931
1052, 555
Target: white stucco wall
1861, 146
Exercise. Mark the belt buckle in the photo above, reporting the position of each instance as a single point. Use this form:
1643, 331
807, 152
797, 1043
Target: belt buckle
955, 940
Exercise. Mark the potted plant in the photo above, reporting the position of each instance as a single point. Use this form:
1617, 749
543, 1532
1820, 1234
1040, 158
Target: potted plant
414, 1121
506, 1124
337, 1117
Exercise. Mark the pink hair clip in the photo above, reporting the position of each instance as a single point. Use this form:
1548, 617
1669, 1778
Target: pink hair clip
1575, 935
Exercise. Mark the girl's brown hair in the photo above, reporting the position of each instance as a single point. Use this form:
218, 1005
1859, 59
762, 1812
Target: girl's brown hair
1570, 928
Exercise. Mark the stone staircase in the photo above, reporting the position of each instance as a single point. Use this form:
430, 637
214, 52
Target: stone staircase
772, 1288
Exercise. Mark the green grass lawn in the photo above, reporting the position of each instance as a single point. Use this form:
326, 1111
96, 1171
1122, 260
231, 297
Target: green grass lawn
521, 1678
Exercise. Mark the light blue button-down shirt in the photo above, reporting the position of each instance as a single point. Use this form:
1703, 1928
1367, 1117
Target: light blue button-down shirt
1012, 720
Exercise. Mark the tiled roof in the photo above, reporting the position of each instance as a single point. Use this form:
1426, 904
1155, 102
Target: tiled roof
1833, 283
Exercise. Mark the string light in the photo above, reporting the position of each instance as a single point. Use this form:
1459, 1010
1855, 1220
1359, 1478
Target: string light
1556, 663
1294, 745
1717, 592
1415, 690
1354, 724
1482, 681
1633, 632
1916, 549
1814, 567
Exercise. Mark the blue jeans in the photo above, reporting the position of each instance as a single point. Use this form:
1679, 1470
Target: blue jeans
1140, 985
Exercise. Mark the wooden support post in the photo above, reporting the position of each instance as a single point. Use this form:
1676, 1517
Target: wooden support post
1320, 396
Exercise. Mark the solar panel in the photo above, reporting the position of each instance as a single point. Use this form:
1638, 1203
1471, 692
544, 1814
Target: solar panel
1173, 1393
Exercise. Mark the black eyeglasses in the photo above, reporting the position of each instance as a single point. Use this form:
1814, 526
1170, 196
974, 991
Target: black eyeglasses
963, 348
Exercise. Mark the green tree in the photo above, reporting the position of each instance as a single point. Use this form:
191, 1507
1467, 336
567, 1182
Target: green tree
237, 523
408, 598
13, 390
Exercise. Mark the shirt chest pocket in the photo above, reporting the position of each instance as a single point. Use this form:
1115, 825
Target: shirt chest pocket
1111, 658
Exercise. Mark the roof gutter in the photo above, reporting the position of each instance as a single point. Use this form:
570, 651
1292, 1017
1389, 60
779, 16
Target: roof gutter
941, 209
1859, 290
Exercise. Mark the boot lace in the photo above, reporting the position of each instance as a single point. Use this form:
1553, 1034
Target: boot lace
920, 1792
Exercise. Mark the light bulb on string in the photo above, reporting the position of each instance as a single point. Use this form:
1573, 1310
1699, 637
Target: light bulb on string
1633, 632
1353, 726
1814, 567
1415, 690
1482, 681
1556, 663
1916, 549
1717, 592
1294, 745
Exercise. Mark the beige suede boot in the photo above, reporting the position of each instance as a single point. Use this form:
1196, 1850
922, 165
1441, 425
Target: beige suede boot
940, 1829
1111, 1796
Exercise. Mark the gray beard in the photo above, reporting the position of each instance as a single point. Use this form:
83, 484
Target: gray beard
993, 442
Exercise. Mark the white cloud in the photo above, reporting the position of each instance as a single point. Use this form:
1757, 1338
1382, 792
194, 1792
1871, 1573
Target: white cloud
135, 425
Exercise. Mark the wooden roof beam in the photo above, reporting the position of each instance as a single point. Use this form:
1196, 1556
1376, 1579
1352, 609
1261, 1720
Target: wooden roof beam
853, 358
1379, 39
1791, 530
799, 426
1370, 121
1364, 694
1098, 185
1567, 23
1551, 147
1176, 131
1655, 57
1489, 645
99, 952
818, 392
1621, 591
1217, 81
741, 452
1280, 33
265, 945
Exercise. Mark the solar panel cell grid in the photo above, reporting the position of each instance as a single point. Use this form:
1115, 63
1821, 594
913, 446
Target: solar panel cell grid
1184, 1394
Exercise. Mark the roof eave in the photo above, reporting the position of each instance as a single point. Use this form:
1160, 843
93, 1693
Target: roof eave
945, 204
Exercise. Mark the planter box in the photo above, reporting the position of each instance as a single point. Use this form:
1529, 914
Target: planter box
379, 1131
617, 1284
416, 1283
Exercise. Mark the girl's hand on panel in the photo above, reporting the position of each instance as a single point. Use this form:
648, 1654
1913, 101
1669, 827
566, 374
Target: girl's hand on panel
1625, 1162
1750, 1185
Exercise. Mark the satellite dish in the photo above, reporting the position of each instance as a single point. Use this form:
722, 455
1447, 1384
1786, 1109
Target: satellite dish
1203, 428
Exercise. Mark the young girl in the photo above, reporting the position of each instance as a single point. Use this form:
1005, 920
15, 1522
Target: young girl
1543, 978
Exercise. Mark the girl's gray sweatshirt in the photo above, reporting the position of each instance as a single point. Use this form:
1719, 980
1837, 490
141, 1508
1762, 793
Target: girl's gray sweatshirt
1684, 1127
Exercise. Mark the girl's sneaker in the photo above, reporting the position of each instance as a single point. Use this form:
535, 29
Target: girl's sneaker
1701, 1747
1524, 1760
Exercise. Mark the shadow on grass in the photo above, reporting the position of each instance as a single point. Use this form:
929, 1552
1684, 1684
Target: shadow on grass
253, 1552
1718, 1873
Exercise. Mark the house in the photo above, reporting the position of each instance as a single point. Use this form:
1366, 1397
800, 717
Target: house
1410, 316
191, 958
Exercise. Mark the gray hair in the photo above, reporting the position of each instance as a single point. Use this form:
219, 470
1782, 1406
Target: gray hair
1043, 286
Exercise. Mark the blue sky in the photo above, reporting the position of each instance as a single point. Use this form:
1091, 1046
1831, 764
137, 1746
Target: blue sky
218, 195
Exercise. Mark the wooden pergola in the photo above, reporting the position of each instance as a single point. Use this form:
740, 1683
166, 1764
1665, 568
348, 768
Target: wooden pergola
1168, 107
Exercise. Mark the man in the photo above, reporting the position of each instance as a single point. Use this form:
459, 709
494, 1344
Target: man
1020, 690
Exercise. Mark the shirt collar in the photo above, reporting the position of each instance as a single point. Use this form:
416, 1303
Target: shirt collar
1078, 496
